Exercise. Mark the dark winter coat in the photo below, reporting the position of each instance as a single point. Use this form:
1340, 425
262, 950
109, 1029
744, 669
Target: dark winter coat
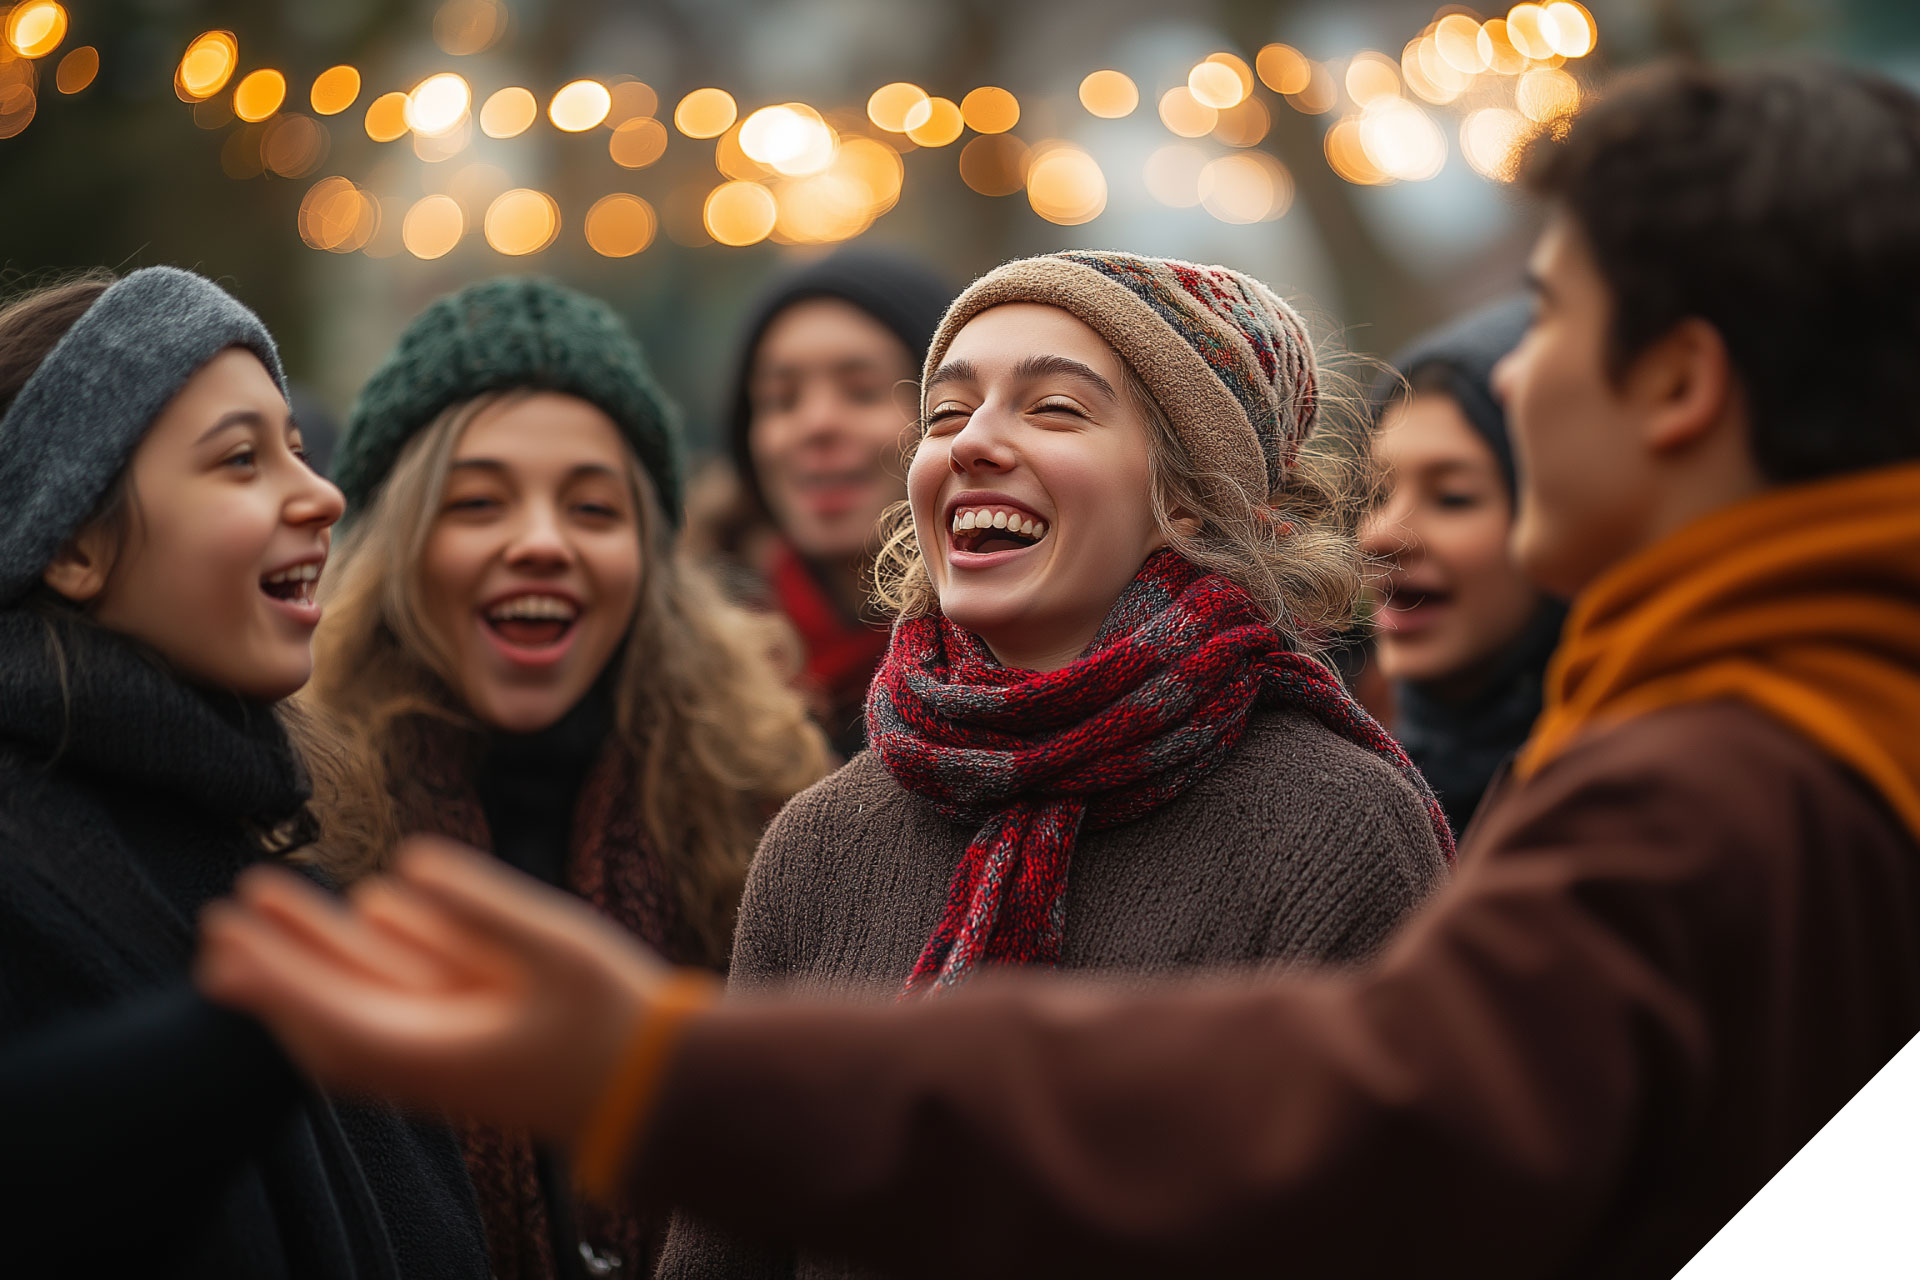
146, 1132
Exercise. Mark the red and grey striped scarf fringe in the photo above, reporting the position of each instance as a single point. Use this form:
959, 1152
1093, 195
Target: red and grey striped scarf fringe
1160, 698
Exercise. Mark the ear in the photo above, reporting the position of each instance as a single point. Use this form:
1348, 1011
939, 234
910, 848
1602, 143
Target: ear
80, 568
1685, 383
1188, 525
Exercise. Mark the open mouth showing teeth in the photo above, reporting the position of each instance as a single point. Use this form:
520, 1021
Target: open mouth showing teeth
534, 621
296, 585
983, 530
1406, 598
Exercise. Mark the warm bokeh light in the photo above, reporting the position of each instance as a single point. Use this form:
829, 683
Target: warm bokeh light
1245, 125
1246, 188
1415, 62
212, 113
620, 225
1401, 140
990, 110
462, 27
891, 103
637, 143
522, 221
1283, 69
705, 113
1186, 115
1214, 84
731, 161
438, 104
18, 104
740, 213
824, 209
259, 95
433, 226
508, 113
1173, 175
334, 90
1492, 139
1109, 95
1457, 39
387, 117
876, 167
1569, 29
206, 66
77, 69
294, 146
1497, 51
1526, 28
935, 122
35, 29
435, 147
1065, 185
1348, 158
1320, 95
337, 216
579, 106
1545, 94
1371, 76
791, 139
632, 100
994, 164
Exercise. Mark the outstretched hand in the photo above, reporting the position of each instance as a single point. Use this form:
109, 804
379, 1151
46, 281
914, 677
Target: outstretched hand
454, 983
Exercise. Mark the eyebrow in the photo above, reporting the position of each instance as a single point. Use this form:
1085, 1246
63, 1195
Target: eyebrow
1031, 367
251, 418
499, 467
845, 364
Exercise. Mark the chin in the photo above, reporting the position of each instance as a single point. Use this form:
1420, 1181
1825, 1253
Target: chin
519, 713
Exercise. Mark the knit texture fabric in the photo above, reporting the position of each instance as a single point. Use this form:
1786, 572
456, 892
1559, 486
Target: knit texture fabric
1163, 694
508, 334
1226, 360
81, 414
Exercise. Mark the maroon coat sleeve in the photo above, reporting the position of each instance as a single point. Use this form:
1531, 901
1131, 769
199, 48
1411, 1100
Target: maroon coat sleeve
1531, 1047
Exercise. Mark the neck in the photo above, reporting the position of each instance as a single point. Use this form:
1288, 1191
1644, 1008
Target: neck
1042, 657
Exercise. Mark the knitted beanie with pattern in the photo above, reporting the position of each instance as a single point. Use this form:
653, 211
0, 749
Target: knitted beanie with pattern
509, 334
1226, 360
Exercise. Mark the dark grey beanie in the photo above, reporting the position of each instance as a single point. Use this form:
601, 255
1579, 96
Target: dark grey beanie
1460, 357
76, 422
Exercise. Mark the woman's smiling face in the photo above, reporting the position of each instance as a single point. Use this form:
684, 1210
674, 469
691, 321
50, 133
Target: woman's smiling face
1030, 489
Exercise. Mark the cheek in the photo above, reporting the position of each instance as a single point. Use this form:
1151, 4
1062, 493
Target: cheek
925, 474
450, 569
616, 566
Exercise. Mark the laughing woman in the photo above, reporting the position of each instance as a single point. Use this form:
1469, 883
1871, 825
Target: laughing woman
1099, 740
514, 640
160, 536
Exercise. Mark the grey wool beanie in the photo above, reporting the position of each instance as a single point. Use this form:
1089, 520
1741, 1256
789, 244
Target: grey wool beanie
508, 334
78, 419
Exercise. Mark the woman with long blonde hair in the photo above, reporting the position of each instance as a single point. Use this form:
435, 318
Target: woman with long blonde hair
1100, 738
512, 637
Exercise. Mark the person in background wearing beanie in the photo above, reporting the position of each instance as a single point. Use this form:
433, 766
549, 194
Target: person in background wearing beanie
513, 638
819, 418
1461, 631
1682, 935
160, 537
1098, 741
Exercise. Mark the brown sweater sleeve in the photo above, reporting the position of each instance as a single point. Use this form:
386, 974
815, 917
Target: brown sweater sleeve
1479, 1097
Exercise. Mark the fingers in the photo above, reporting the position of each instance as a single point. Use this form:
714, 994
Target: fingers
418, 924
332, 932
514, 911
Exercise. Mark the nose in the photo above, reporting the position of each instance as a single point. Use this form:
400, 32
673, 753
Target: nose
315, 502
537, 541
1503, 375
982, 445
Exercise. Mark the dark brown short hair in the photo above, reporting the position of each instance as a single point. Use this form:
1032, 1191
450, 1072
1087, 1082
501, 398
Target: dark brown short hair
1781, 204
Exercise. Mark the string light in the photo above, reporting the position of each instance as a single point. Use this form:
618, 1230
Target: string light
705, 113
740, 213
334, 90
990, 110
206, 66
522, 221
36, 29
433, 226
77, 70
620, 225
892, 103
1065, 185
1109, 95
259, 95
580, 106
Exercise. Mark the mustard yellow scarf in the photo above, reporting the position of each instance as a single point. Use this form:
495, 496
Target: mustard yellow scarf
1803, 602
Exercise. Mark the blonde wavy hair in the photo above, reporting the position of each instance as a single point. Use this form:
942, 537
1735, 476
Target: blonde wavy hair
1296, 554
704, 698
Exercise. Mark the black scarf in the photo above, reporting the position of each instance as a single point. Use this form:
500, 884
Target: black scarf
1459, 747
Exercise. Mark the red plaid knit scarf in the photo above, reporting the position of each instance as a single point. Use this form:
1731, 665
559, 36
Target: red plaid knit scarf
1161, 697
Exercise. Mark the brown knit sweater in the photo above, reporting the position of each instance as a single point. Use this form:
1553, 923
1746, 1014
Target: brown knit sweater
1301, 848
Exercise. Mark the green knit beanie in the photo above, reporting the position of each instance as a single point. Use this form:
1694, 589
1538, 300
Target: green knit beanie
501, 335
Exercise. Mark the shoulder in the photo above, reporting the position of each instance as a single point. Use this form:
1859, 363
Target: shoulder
1718, 778
1302, 766
856, 794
